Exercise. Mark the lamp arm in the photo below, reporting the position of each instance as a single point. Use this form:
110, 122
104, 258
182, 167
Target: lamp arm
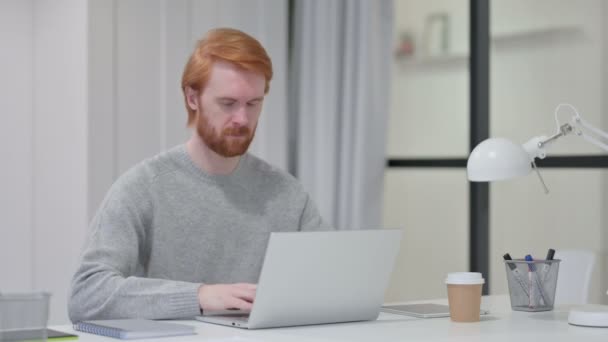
537, 145
582, 125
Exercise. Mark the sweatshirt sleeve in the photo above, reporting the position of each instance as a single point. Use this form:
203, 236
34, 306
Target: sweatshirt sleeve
311, 219
109, 282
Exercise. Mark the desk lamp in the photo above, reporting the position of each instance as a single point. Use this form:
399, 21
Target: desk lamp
500, 159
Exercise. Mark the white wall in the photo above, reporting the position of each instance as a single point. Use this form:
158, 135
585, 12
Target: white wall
544, 52
604, 123
431, 208
548, 52
89, 88
429, 117
43, 101
429, 102
16, 144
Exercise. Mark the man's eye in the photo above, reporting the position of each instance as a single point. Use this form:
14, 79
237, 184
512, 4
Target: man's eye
227, 103
253, 103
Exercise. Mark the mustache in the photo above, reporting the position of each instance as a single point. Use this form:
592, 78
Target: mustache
238, 130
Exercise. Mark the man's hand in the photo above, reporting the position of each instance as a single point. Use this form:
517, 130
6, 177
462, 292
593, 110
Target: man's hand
226, 296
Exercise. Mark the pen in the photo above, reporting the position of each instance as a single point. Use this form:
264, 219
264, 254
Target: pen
547, 268
534, 280
517, 274
531, 287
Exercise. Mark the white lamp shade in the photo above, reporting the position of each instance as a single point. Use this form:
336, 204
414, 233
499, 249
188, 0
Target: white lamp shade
497, 159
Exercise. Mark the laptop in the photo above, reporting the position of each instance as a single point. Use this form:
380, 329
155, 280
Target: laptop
319, 277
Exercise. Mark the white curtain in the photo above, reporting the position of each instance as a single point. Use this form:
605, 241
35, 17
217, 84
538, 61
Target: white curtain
340, 85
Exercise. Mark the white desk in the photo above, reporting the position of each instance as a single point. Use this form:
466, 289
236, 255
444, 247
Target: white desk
501, 324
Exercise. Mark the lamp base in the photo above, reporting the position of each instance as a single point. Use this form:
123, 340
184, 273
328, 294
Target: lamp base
589, 316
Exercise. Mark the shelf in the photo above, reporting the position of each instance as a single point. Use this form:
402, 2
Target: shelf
535, 33
433, 61
462, 58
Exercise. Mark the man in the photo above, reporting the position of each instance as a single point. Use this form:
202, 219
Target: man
186, 230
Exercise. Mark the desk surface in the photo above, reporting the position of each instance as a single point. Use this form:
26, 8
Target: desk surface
501, 324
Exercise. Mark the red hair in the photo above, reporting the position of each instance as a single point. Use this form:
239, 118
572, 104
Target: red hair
231, 46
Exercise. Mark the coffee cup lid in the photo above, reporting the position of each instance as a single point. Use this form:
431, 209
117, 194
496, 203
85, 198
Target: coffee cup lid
464, 278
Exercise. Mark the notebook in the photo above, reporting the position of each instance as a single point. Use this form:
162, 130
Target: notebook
319, 277
133, 328
423, 310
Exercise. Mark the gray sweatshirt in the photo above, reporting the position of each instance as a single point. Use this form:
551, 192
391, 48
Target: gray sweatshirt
166, 227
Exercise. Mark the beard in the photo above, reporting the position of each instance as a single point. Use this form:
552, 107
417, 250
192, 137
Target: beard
230, 142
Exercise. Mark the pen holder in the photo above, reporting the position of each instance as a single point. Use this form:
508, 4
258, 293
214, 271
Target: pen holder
532, 284
24, 316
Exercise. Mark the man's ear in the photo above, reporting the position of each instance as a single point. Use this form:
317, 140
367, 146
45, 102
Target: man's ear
192, 98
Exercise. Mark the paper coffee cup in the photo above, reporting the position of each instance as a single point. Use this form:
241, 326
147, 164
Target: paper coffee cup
464, 295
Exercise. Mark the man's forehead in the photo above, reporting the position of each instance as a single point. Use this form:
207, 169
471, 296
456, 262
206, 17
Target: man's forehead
229, 80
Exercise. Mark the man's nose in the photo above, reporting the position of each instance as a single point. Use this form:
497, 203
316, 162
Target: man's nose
240, 117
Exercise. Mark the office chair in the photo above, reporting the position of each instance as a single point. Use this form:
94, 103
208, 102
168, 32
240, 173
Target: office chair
574, 276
